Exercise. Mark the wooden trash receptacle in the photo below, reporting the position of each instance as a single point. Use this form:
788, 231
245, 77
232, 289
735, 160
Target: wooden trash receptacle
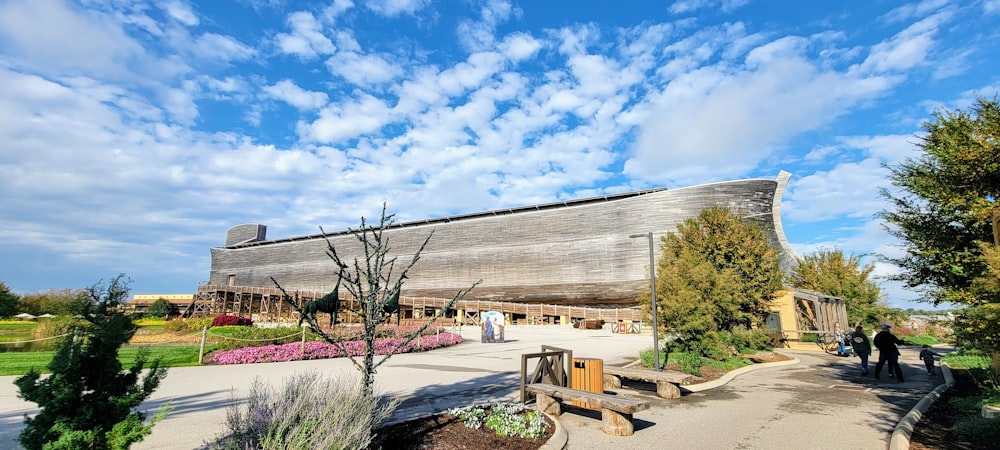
588, 375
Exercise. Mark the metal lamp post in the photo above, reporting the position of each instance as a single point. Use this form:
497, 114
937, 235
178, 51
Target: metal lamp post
652, 294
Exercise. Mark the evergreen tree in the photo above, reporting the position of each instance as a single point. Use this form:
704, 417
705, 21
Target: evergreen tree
160, 308
717, 273
948, 203
948, 219
88, 401
8, 301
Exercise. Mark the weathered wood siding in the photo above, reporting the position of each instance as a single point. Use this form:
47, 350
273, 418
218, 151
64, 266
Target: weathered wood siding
572, 253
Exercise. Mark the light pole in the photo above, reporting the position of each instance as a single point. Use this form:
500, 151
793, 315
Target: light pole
652, 298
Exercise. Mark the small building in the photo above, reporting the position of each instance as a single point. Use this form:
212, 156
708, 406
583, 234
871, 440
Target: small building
141, 302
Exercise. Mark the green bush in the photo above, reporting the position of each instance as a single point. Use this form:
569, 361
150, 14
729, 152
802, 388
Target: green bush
242, 336
967, 360
308, 411
714, 345
49, 329
750, 341
978, 429
646, 356
160, 308
690, 363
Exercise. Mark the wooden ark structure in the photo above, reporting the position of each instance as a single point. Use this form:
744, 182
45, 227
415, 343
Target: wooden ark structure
574, 254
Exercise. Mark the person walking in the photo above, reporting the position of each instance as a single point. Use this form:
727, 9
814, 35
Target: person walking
927, 355
862, 347
838, 335
886, 343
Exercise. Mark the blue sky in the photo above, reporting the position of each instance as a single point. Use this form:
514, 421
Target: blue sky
134, 134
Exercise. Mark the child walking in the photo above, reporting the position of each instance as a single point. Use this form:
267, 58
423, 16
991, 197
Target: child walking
928, 356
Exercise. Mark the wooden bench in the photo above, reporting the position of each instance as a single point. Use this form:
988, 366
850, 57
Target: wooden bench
667, 382
616, 412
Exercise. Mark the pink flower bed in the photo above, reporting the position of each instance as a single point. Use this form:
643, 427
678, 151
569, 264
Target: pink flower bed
321, 350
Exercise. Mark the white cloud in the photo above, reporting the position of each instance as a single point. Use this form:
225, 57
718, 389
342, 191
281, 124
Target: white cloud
469, 74
306, 39
72, 42
907, 49
339, 122
687, 6
221, 48
181, 12
715, 122
289, 92
915, 10
848, 190
890, 149
391, 8
991, 6
362, 70
337, 7
519, 46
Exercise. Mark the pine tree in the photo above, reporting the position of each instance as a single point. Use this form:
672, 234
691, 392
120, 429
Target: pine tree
88, 401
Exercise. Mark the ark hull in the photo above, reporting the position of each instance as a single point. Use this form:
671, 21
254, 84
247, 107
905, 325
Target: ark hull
573, 253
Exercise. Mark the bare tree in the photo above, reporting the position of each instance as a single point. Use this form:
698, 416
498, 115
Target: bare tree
375, 284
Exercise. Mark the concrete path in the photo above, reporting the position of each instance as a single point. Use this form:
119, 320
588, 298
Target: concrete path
817, 403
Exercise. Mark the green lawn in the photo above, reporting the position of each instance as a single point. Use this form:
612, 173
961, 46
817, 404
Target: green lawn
19, 363
17, 331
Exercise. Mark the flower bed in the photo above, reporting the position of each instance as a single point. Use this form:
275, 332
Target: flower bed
322, 350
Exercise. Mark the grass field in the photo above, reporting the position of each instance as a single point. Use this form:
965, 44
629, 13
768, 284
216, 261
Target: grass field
170, 355
16, 331
19, 363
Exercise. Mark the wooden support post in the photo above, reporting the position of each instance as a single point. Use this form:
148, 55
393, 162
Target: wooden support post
616, 423
201, 347
666, 389
612, 382
303, 351
547, 404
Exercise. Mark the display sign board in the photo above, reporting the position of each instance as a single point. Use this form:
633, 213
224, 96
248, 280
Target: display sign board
492, 326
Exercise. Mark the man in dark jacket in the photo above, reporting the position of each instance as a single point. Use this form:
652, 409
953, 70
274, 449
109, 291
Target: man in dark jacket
886, 343
862, 347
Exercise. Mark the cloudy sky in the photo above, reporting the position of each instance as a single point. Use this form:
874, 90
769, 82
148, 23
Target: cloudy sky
133, 134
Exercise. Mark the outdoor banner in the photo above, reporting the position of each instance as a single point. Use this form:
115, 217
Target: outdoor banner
493, 324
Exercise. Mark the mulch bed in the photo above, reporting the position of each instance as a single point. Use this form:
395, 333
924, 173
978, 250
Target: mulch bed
936, 427
447, 432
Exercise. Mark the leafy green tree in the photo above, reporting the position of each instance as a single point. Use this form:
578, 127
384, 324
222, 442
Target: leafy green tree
160, 308
834, 273
60, 302
88, 401
8, 301
948, 203
718, 273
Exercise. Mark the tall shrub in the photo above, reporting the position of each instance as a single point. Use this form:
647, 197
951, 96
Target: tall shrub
88, 401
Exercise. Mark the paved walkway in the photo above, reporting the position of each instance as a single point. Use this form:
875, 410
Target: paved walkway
816, 403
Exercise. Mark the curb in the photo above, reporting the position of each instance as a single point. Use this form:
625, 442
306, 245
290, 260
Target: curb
559, 436
900, 439
734, 373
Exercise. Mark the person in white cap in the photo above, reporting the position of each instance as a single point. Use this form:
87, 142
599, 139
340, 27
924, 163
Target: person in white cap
886, 343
